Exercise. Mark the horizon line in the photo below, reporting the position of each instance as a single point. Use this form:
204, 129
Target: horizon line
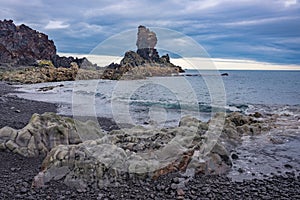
191, 62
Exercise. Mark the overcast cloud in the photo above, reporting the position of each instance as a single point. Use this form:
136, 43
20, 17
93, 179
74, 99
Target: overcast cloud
267, 31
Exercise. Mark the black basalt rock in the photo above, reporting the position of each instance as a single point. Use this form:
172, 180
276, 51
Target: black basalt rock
21, 45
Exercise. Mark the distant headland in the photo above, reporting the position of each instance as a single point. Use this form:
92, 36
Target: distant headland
28, 56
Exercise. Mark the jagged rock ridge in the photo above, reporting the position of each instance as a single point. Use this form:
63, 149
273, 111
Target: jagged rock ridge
23, 46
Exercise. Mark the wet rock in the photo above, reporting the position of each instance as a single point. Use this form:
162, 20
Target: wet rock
234, 156
288, 166
240, 170
47, 88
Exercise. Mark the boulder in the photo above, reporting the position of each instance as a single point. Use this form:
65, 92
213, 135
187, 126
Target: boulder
135, 152
44, 132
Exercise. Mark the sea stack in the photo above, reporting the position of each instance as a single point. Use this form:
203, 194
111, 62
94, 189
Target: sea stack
144, 62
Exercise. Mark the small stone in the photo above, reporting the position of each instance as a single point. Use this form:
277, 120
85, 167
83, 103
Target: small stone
234, 156
173, 186
288, 166
23, 190
240, 170
81, 190
257, 115
180, 192
158, 188
68, 192
176, 180
25, 184
19, 181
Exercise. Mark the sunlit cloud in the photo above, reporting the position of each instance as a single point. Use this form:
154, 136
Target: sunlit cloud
56, 25
288, 3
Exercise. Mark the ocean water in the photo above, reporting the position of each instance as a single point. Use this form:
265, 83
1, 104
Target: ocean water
165, 100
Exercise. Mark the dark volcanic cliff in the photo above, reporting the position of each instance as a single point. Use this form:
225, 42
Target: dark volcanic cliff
22, 45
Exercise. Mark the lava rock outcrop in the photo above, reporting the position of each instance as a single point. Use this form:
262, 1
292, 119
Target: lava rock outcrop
144, 62
21, 45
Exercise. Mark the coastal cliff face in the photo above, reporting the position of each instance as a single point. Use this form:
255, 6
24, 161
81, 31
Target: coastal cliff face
144, 62
28, 56
21, 45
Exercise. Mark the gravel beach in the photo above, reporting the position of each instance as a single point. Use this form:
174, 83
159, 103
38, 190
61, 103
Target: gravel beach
16, 112
16, 172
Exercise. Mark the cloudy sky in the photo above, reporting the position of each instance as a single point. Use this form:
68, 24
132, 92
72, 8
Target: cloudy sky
265, 31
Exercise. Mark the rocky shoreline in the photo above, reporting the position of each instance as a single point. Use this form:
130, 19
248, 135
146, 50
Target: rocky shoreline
19, 171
